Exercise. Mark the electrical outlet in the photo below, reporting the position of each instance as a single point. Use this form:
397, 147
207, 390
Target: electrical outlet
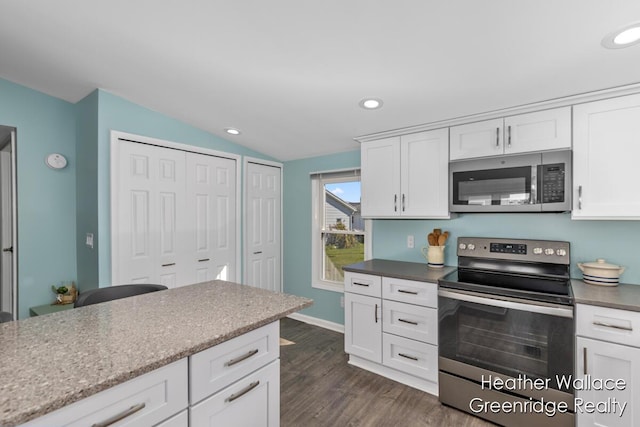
89, 240
410, 241
342, 302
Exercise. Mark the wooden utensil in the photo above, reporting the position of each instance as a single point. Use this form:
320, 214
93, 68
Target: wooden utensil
442, 239
432, 239
437, 231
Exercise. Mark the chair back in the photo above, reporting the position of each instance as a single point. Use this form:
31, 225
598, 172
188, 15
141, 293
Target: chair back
95, 296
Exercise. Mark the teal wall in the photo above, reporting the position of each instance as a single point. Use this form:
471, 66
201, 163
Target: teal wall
86, 190
615, 241
46, 197
115, 113
297, 232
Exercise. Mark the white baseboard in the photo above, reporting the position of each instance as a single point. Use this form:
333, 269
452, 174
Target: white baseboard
332, 326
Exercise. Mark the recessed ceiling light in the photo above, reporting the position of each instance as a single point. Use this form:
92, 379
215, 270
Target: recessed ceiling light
371, 103
624, 37
232, 131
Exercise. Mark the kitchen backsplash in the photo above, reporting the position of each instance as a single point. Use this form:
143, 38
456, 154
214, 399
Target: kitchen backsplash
615, 241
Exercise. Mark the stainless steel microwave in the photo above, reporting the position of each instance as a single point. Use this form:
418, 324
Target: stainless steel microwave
536, 182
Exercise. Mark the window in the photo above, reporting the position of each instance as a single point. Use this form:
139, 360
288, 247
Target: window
339, 235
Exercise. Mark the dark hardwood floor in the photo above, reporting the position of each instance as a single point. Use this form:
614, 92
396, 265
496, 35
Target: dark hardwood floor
319, 388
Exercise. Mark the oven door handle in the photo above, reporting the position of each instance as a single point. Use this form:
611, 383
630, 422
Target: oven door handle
552, 310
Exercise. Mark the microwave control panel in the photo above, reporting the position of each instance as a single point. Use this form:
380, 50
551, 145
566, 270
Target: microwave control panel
553, 183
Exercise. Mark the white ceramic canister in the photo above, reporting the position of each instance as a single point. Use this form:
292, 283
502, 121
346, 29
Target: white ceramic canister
600, 272
434, 256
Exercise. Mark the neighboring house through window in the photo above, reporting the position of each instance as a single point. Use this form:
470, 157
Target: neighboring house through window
339, 234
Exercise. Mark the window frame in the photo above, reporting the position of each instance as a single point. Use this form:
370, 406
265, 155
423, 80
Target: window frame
318, 181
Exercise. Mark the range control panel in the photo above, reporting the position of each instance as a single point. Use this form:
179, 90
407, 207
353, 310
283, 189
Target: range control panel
549, 251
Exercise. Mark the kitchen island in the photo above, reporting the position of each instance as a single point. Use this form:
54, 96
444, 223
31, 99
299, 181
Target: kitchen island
50, 362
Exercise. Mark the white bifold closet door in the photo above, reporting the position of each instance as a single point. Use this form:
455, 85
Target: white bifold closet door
175, 216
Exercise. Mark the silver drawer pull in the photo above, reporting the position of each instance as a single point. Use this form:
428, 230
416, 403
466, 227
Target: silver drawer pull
242, 392
402, 291
169, 265
360, 284
406, 356
203, 260
257, 252
408, 321
241, 358
584, 360
609, 325
121, 416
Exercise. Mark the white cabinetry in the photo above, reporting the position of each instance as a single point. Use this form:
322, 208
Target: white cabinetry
406, 176
391, 328
236, 383
523, 133
146, 400
608, 349
605, 159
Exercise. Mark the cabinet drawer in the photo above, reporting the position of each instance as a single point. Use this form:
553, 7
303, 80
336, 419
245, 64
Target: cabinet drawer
419, 293
363, 284
253, 401
411, 321
213, 369
180, 420
608, 324
159, 395
413, 357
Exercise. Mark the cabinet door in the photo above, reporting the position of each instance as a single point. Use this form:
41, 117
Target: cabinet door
253, 401
424, 175
363, 327
380, 176
607, 361
478, 139
538, 131
211, 218
605, 159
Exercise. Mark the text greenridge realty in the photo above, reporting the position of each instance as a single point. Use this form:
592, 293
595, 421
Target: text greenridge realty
550, 408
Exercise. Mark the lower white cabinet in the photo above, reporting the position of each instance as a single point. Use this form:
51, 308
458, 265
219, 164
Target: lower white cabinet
363, 327
607, 353
253, 401
236, 383
143, 401
394, 331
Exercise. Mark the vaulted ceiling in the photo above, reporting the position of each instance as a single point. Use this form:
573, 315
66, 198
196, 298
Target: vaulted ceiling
289, 74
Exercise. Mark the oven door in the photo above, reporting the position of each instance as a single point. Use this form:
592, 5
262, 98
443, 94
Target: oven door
495, 184
481, 336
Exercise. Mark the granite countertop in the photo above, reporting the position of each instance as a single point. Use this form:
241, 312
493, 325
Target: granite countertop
400, 270
623, 296
51, 361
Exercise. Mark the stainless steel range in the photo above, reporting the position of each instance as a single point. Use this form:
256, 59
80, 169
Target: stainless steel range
506, 332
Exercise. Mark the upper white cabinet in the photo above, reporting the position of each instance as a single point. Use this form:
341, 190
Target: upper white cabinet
523, 133
605, 159
406, 176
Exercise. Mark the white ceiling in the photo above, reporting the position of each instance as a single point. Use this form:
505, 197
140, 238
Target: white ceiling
290, 73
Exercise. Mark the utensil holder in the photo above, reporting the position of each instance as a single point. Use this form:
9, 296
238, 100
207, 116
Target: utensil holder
434, 256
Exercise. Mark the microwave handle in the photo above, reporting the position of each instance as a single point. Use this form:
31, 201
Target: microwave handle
536, 183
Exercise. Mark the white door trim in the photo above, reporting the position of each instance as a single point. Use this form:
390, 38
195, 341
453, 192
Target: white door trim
114, 155
245, 243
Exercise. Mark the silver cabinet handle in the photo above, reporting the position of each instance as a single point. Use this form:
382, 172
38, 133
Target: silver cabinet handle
579, 197
395, 203
406, 356
584, 360
411, 322
375, 313
169, 265
203, 260
257, 253
9, 249
509, 136
241, 358
402, 291
609, 325
121, 416
242, 392
497, 137
402, 202
360, 284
